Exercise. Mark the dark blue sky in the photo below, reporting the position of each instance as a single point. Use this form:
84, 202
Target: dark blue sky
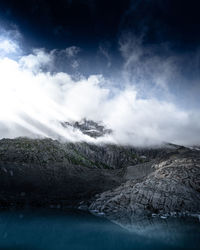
89, 23
166, 28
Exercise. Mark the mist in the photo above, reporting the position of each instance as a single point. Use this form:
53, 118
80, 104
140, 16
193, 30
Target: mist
141, 111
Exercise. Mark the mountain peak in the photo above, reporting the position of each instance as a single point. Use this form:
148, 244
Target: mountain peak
89, 127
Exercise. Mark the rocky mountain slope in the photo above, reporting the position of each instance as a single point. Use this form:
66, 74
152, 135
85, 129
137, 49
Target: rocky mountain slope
46, 171
166, 186
121, 182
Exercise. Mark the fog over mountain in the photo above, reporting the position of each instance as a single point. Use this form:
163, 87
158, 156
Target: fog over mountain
141, 85
35, 99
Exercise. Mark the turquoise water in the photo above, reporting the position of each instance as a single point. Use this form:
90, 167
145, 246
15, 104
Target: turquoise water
72, 230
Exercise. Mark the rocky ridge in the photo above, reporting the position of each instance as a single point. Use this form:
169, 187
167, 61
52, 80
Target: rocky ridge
49, 172
119, 182
170, 187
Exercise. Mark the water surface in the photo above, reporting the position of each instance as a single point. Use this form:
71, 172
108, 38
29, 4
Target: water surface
74, 230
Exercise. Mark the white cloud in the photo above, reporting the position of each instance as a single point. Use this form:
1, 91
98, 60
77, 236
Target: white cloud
36, 61
7, 46
9, 41
33, 103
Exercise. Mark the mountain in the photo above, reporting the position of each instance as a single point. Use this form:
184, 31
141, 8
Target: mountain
119, 182
167, 186
89, 127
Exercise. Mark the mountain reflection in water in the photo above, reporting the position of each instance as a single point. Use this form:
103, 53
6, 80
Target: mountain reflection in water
58, 230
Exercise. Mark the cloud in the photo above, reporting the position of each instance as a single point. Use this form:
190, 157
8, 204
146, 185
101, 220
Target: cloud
75, 64
159, 72
144, 68
7, 47
9, 41
72, 51
36, 61
106, 55
34, 101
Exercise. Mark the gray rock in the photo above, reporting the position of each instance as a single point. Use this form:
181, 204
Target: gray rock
171, 185
89, 127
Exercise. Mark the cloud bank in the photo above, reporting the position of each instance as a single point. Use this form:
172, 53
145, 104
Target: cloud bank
34, 101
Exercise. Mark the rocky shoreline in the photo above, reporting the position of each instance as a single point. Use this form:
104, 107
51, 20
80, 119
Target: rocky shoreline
120, 183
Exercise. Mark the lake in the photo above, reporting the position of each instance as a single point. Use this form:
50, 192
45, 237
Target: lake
51, 229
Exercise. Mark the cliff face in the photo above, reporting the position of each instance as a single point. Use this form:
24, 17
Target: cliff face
170, 186
128, 182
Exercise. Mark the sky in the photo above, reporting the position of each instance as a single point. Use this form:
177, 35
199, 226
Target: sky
134, 65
